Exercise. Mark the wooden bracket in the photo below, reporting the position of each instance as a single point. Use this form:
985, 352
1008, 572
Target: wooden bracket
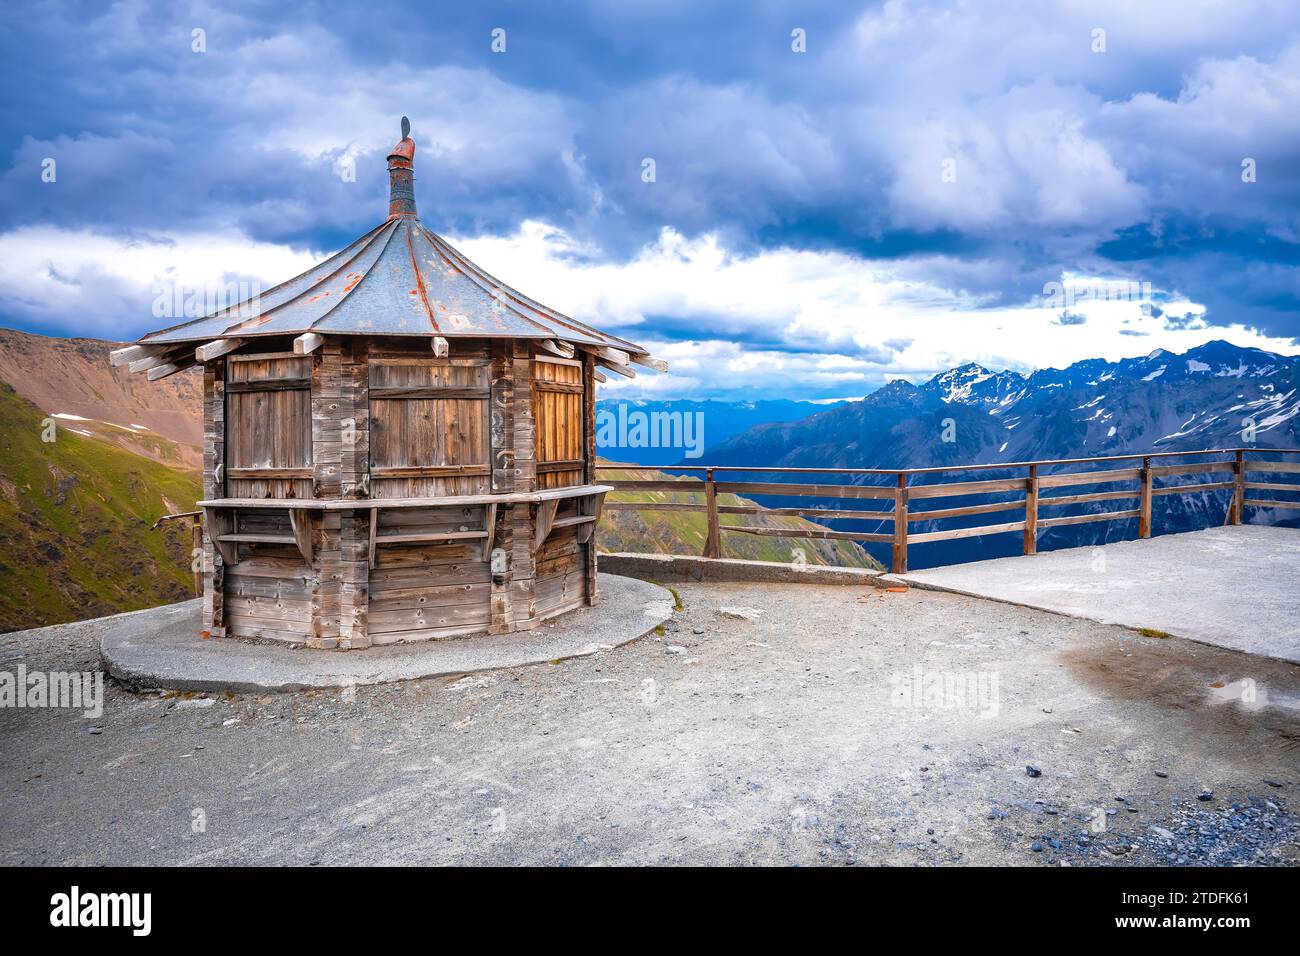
545, 520
300, 521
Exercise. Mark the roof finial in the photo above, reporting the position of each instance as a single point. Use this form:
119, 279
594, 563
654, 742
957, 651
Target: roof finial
401, 176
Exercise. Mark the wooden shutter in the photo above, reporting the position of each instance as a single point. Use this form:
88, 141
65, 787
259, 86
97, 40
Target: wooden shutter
268, 427
557, 413
429, 427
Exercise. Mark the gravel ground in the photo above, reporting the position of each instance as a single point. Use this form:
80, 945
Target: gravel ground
768, 724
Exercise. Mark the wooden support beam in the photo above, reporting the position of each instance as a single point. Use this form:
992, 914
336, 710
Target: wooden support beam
1031, 511
300, 522
206, 353
556, 347
1144, 500
490, 525
154, 359
545, 520
220, 524
441, 347
617, 356
162, 371
307, 343
1239, 487
598, 376
649, 361
616, 368
899, 563
133, 353
713, 540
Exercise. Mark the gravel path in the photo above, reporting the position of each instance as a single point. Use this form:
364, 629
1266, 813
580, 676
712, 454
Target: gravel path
789, 735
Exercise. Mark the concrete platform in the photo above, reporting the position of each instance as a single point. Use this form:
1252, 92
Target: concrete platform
1233, 587
161, 647
682, 568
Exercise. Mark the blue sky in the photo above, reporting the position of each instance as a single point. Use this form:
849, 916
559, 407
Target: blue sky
1015, 183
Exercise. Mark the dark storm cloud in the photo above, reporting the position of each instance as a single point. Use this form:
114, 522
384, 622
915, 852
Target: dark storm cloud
1130, 161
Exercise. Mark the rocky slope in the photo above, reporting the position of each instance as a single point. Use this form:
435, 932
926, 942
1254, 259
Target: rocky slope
672, 532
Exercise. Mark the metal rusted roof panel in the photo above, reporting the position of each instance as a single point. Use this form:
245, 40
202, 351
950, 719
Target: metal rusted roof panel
398, 279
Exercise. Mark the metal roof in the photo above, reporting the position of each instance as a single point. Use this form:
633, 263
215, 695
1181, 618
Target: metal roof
398, 279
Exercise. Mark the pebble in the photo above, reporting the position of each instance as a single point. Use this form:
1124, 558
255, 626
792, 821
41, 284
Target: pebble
96, 729
1205, 796
1036, 847
1033, 771
1162, 774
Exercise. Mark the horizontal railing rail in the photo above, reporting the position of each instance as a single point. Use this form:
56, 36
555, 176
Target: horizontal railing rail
901, 491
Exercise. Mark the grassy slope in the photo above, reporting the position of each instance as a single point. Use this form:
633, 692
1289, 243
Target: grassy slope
672, 532
75, 517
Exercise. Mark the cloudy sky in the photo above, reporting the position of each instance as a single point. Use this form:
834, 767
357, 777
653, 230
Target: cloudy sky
842, 193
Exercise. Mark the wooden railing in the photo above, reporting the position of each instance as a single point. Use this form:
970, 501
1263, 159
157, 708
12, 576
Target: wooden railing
902, 487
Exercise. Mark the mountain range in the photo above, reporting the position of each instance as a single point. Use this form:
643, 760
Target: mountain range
1213, 396
76, 514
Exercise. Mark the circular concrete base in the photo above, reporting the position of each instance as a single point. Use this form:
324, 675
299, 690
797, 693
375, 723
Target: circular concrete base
161, 648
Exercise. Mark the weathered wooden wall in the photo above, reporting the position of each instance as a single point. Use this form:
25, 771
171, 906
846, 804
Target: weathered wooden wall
385, 419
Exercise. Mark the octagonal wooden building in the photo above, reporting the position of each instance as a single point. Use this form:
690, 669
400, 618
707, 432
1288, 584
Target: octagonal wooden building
397, 446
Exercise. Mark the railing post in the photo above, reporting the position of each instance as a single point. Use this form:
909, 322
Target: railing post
1144, 501
1238, 487
1031, 511
899, 565
196, 555
712, 541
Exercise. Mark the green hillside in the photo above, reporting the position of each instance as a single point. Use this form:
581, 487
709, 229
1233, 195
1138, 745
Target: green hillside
683, 532
75, 517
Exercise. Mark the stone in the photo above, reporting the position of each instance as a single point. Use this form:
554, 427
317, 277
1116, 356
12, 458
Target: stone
1033, 771
750, 614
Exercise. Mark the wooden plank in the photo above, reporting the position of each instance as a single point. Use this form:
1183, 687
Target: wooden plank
780, 488
1189, 489
441, 347
1278, 467
253, 474
446, 393
1058, 500
1090, 477
270, 385
685, 485
1084, 519
206, 353
947, 512
950, 489
819, 533
1271, 485
968, 532
1198, 469
430, 471
1262, 503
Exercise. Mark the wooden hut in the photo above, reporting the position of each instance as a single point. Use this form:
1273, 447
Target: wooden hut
397, 445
